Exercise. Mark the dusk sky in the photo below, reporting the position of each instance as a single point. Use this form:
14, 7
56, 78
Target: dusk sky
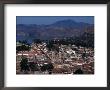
51, 19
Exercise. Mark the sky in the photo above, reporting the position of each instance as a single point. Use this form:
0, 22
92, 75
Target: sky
51, 19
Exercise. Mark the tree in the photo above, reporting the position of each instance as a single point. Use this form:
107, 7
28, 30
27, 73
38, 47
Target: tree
50, 46
43, 68
37, 41
79, 71
24, 64
50, 71
24, 42
32, 66
23, 48
83, 55
49, 67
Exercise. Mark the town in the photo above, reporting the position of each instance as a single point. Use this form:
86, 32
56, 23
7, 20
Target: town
43, 58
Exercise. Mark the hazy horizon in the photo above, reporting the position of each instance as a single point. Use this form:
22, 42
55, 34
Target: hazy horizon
39, 20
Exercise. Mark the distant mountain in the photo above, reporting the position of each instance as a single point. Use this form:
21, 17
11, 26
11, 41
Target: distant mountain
70, 24
59, 29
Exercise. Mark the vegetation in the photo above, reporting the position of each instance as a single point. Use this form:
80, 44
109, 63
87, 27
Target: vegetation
32, 66
37, 41
23, 48
49, 67
86, 40
24, 64
79, 71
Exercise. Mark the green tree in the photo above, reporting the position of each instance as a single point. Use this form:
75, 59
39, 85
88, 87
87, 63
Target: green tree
43, 68
24, 64
78, 71
22, 48
49, 67
37, 41
32, 66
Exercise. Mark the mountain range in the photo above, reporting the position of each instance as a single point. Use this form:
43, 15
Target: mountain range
59, 30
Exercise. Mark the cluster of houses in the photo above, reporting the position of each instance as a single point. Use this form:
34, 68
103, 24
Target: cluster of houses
66, 61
